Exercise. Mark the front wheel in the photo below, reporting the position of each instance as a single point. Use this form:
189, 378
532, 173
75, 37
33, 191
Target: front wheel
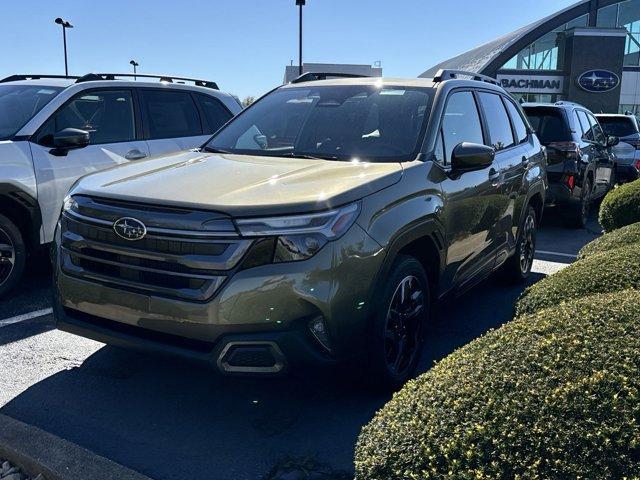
518, 267
12, 255
399, 325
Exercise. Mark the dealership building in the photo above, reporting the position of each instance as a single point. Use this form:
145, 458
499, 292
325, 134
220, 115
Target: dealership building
588, 53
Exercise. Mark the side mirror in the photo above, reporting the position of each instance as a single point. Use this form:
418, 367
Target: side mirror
69, 138
472, 156
612, 141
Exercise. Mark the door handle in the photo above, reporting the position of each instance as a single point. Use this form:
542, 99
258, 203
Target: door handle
135, 154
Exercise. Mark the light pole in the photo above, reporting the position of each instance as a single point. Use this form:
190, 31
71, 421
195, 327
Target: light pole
65, 24
135, 65
300, 4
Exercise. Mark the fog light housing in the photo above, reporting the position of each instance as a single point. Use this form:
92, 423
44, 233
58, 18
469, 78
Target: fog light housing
319, 331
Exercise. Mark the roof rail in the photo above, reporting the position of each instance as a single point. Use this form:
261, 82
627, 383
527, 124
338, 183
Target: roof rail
314, 76
15, 78
90, 77
443, 75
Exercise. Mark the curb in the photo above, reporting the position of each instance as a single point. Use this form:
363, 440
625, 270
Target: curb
36, 451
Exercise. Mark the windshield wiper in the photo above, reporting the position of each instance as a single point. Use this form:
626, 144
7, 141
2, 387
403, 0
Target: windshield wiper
216, 150
309, 157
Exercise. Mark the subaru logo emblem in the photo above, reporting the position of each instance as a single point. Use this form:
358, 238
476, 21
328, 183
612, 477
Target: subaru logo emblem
130, 228
598, 81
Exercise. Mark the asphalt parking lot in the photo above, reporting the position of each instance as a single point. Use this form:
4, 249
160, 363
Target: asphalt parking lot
172, 420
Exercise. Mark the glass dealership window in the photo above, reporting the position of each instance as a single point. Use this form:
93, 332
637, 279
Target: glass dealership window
546, 52
627, 15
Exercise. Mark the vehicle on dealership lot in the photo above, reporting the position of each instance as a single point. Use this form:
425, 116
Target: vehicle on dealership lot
55, 129
627, 152
316, 227
581, 165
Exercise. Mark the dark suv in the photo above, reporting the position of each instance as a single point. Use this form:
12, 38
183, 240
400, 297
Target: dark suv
318, 226
581, 165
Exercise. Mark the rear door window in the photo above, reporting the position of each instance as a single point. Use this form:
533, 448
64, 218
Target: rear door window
215, 114
461, 122
549, 123
170, 114
500, 133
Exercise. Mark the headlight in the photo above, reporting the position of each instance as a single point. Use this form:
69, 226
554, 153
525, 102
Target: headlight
69, 203
301, 236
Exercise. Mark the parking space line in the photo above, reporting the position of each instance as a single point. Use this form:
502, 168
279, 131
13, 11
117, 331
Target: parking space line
557, 254
25, 316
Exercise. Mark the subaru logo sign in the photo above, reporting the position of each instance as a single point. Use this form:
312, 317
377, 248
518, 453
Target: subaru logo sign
130, 228
598, 81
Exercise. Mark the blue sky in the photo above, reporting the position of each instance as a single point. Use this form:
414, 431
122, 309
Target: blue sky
245, 44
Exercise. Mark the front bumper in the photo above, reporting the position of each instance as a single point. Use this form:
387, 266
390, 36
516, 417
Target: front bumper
260, 315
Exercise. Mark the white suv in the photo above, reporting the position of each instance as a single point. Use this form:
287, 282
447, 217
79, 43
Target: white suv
54, 130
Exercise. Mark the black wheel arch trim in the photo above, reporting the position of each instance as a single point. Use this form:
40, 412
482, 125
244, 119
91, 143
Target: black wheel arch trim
429, 228
16, 198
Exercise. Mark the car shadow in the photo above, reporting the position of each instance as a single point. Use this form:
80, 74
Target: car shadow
171, 419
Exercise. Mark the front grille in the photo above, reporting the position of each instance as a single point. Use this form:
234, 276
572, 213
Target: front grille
169, 261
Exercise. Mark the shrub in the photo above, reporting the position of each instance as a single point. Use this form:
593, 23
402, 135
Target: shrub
621, 207
531, 400
604, 272
622, 237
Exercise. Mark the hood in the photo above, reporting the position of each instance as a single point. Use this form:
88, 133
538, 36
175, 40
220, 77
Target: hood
241, 185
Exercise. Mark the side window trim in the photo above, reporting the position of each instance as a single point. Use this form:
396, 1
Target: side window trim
138, 134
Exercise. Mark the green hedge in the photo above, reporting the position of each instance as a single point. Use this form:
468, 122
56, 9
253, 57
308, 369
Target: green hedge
622, 237
532, 400
601, 273
621, 207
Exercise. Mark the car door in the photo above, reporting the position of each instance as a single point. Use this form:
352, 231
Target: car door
109, 115
171, 120
604, 157
511, 159
471, 214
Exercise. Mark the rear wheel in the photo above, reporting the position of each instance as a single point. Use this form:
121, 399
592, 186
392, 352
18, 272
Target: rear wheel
12, 255
518, 267
399, 325
581, 213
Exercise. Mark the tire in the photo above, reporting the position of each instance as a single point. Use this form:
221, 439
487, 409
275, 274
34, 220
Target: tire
13, 254
394, 350
518, 268
580, 215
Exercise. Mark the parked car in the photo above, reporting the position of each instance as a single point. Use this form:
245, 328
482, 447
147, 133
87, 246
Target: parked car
581, 165
54, 130
318, 226
627, 152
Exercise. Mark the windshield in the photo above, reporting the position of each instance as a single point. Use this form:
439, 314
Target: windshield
618, 126
344, 122
549, 123
19, 103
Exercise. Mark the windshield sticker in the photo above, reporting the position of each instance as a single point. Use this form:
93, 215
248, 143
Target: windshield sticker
44, 91
392, 92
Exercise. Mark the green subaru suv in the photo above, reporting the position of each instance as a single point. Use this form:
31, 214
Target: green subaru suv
318, 226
